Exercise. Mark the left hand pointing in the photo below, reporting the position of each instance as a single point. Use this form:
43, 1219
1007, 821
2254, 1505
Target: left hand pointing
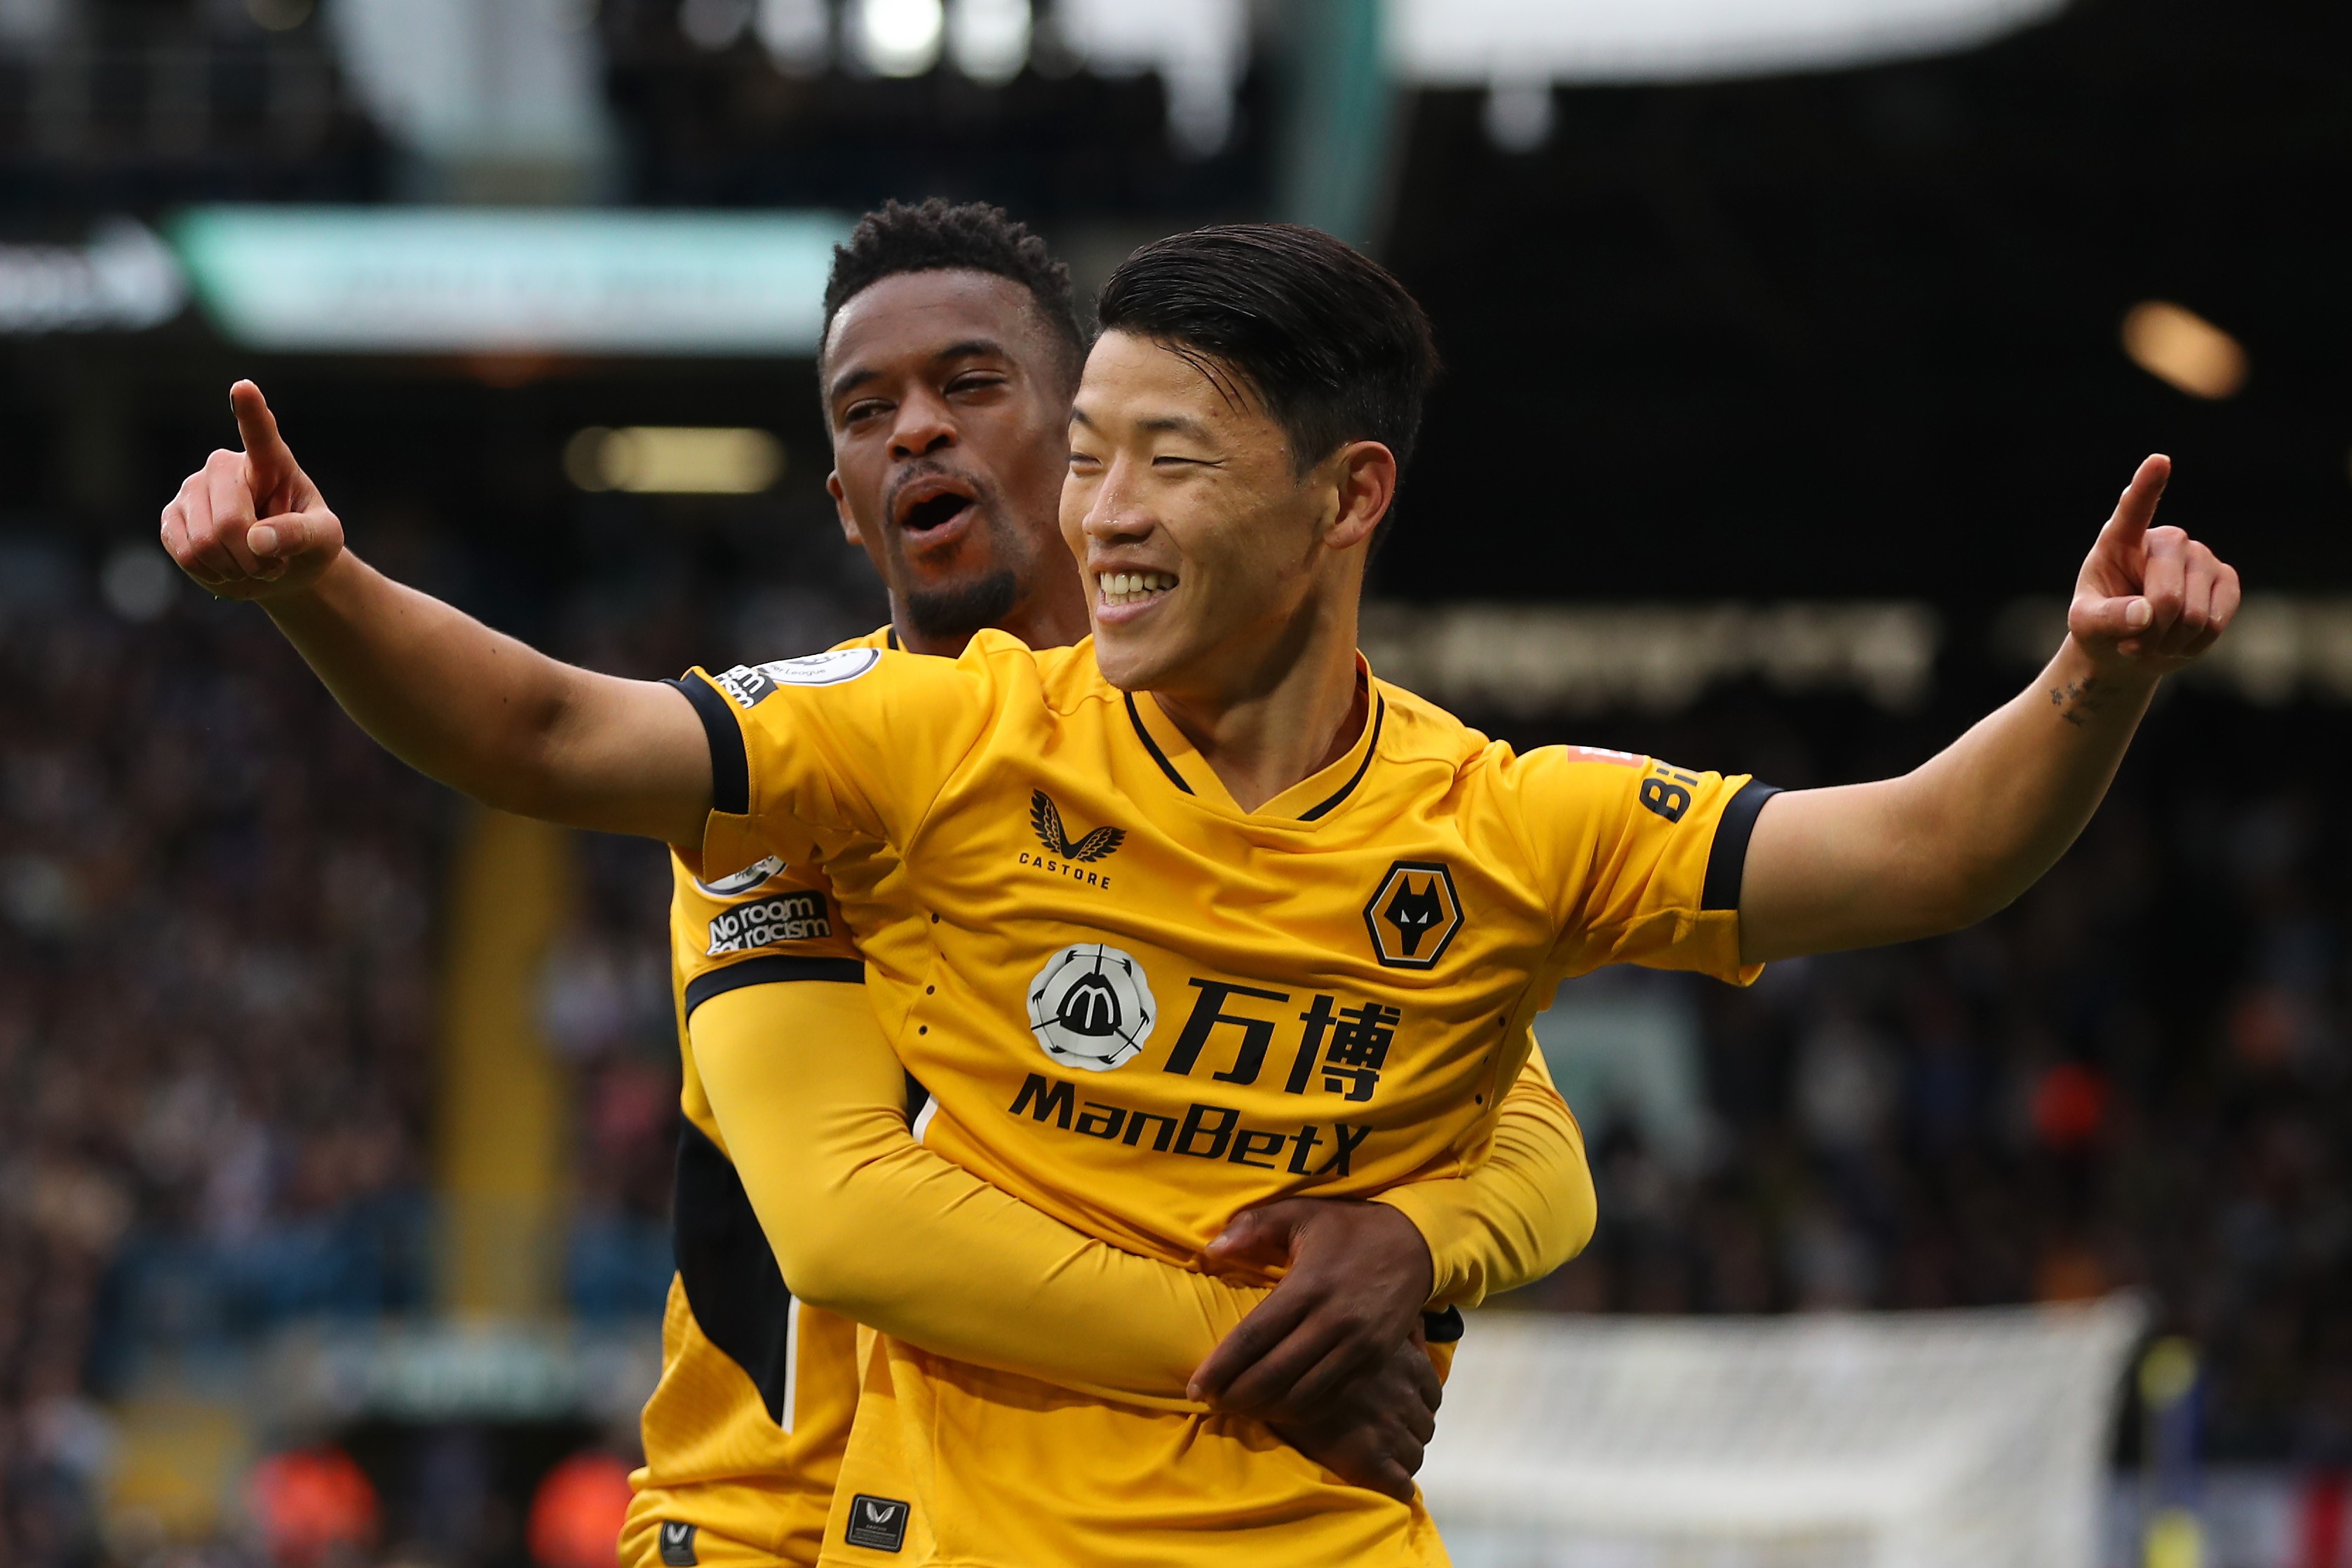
2149, 599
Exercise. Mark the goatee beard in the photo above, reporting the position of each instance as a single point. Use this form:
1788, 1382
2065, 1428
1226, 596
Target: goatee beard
959, 612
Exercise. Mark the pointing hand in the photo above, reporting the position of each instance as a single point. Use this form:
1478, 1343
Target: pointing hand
2151, 599
250, 524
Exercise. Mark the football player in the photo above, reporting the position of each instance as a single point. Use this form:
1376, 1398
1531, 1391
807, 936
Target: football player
1307, 962
951, 348
952, 351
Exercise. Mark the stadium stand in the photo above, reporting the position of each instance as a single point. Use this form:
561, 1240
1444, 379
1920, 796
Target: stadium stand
218, 969
217, 995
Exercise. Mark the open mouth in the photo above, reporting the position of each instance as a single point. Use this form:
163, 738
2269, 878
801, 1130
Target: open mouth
930, 504
1120, 589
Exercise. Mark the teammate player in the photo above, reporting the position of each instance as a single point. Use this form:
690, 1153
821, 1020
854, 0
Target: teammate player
1352, 904
952, 349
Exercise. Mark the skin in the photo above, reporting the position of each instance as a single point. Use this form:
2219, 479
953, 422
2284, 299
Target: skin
1176, 467
1253, 653
941, 385
934, 383
946, 382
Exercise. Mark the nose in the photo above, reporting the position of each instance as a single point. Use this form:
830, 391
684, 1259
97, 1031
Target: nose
924, 424
1116, 514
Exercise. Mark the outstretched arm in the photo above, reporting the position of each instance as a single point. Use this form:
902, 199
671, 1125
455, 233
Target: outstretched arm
466, 705
1965, 832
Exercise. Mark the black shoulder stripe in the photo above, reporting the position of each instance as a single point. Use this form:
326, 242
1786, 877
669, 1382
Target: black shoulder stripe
1379, 713
1441, 1328
1153, 747
918, 1096
731, 770
771, 970
1726, 862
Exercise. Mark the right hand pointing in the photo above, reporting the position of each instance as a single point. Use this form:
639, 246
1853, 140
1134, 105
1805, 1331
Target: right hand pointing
250, 524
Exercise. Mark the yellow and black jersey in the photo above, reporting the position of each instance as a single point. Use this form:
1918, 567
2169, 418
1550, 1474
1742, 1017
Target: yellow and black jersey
744, 1433
1139, 1008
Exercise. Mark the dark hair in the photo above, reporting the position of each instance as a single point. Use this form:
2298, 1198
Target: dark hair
937, 237
1333, 346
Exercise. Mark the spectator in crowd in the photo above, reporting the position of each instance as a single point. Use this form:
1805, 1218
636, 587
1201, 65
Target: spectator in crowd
216, 992
217, 970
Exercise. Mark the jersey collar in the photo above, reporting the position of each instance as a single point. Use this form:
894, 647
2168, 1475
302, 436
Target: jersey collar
1310, 800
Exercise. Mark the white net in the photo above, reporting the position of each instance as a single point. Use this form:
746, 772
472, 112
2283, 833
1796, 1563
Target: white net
1963, 1439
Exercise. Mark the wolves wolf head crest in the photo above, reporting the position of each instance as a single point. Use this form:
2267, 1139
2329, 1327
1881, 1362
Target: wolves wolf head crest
1413, 912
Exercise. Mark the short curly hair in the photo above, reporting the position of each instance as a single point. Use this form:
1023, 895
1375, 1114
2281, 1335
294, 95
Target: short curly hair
940, 236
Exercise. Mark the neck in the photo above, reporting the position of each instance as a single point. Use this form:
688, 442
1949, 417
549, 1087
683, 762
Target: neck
1286, 717
1050, 615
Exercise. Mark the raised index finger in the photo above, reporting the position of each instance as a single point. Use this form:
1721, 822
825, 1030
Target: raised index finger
271, 460
2136, 509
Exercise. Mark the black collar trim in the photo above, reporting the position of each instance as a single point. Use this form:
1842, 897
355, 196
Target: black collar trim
1153, 747
1380, 712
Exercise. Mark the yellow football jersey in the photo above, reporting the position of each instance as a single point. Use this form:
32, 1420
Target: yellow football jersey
1140, 1009
745, 1431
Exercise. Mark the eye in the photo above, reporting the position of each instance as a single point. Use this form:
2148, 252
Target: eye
982, 380
867, 408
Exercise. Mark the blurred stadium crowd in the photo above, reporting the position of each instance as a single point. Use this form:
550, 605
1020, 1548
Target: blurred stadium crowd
223, 927
216, 1012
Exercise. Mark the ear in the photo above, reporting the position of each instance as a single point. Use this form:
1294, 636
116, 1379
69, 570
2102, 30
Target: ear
841, 508
1365, 476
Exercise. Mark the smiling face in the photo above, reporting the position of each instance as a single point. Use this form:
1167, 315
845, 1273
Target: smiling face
1209, 561
946, 396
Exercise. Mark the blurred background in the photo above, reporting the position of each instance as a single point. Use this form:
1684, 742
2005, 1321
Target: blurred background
1795, 352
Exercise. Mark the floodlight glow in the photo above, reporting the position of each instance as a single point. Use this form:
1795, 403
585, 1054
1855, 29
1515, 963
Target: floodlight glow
123, 279
2181, 348
1473, 43
1519, 115
795, 33
989, 39
674, 460
484, 281
713, 24
901, 37
1200, 49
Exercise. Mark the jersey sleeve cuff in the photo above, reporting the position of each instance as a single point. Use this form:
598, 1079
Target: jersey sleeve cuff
1447, 1288
728, 840
1727, 861
731, 767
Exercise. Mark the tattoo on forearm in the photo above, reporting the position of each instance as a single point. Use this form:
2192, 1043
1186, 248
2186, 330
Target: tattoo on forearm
2078, 700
